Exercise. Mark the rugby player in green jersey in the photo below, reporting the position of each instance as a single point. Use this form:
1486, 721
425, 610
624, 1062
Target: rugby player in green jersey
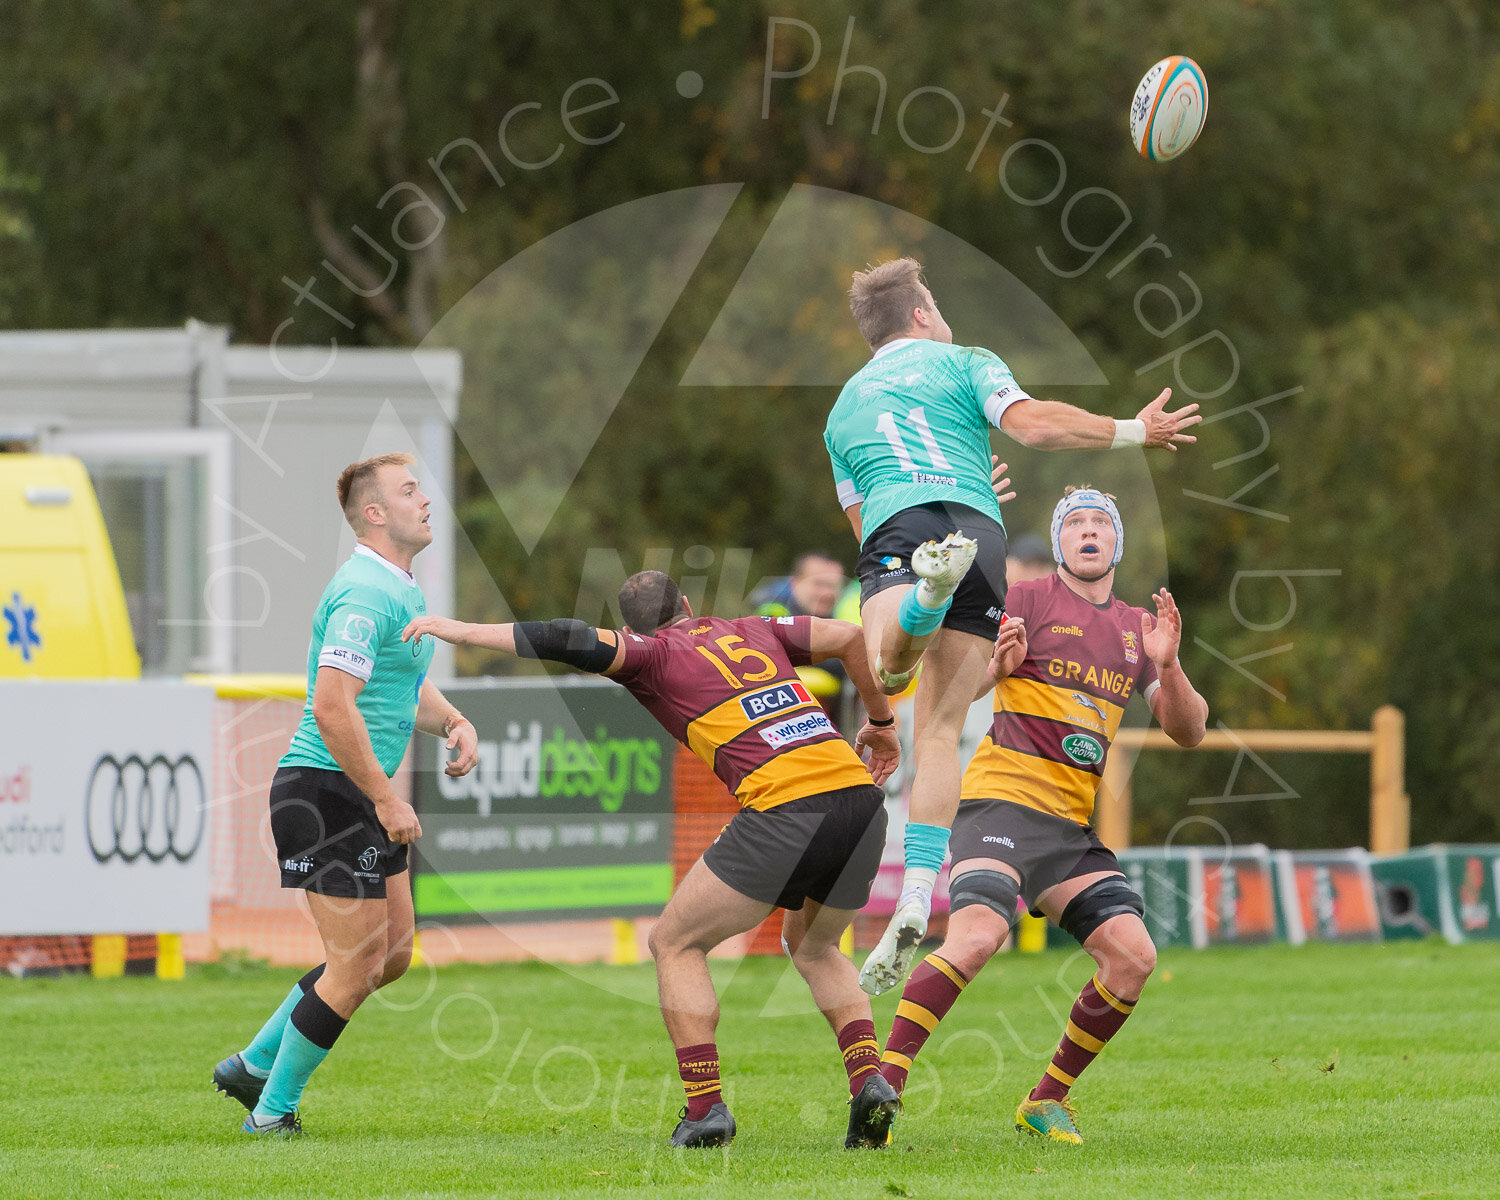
909, 442
341, 829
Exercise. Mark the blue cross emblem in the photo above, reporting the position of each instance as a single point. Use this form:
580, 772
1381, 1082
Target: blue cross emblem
21, 619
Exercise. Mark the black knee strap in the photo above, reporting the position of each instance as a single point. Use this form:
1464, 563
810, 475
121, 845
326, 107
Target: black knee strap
996, 890
1096, 904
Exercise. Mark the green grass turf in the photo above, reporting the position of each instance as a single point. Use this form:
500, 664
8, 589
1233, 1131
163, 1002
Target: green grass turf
1319, 1072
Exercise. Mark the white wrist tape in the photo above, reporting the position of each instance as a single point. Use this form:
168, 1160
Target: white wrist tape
1129, 433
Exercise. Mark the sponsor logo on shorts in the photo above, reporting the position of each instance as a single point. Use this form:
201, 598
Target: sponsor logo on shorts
368, 858
796, 729
999, 841
775, 699
1083, 749
891, 562
300, 865
940, 480
993, 613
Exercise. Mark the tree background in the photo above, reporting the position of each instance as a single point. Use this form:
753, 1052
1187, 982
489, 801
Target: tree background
161, 159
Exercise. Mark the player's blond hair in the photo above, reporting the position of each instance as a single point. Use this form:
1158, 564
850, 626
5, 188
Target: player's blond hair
359, 485
882, 299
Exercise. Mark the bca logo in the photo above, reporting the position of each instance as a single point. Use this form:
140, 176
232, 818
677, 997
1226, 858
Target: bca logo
774, 700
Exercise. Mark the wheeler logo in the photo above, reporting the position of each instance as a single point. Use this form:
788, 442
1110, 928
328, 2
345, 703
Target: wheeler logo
154, 808
1083, 749
775, 699
796, 729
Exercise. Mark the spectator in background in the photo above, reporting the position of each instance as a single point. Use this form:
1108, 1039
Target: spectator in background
811, 590
1028, 557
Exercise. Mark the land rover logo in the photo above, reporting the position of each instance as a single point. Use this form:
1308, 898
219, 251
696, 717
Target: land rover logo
1083, 749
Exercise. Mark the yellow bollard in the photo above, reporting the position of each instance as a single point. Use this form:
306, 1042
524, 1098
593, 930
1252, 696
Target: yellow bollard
846, 942
623, 950
108, 958
169, 961
1031, 935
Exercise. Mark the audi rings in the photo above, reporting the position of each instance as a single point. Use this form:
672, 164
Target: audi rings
154, 809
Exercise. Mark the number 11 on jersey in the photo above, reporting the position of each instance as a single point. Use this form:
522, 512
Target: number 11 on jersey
917, 419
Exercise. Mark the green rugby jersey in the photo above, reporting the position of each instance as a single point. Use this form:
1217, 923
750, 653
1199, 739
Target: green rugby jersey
912, 427
357, 630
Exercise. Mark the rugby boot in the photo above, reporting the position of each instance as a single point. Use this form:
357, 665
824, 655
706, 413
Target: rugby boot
894, 954
942, 566
234, 1079
715, 1128
288, 1125
1051, 1119
871, 1113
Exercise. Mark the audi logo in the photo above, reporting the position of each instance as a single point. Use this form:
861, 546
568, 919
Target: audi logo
138, 808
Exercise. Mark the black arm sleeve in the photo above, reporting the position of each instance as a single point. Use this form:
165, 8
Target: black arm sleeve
565, 640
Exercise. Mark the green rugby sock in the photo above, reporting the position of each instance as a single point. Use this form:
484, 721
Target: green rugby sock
260, 1054
310, 1033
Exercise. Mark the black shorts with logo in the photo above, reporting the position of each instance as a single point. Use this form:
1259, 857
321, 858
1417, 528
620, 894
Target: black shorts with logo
328, 838
1045, 850
825, 848
885, 561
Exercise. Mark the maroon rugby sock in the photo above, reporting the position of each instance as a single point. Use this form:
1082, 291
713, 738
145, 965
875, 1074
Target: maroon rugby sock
861, 1052
699, 1068
1096, 1017
926, 999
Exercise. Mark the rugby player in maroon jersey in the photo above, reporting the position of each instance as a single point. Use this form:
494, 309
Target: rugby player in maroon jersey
809, 833
1066, 660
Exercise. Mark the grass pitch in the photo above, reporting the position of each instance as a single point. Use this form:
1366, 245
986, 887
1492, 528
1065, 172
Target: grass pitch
1323, 1071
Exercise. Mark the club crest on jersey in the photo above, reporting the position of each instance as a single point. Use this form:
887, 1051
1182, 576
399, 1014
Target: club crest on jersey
1131, 655
774, 699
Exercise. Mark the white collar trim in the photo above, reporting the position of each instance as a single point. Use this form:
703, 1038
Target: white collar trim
361, 548
892, 346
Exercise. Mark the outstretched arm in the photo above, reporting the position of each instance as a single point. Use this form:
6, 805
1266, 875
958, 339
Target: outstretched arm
845, 641
563, 640
1183, 713
1052, 425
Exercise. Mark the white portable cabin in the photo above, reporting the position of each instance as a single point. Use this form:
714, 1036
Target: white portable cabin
215, 466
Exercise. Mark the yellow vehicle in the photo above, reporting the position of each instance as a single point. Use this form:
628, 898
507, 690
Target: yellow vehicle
62, 608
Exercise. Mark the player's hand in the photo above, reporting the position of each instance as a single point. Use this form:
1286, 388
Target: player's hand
1161, 635
444, 628
399, 820
1010, 649
465, 740
1164, 429
999, 481
879, 749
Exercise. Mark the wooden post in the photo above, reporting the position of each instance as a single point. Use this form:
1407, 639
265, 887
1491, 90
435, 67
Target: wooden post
1112, 809
1390, 806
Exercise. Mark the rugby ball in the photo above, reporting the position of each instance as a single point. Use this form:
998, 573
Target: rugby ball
1167, 113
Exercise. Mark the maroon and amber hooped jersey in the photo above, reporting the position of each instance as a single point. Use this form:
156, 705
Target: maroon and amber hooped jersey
1057, 714
727, 690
